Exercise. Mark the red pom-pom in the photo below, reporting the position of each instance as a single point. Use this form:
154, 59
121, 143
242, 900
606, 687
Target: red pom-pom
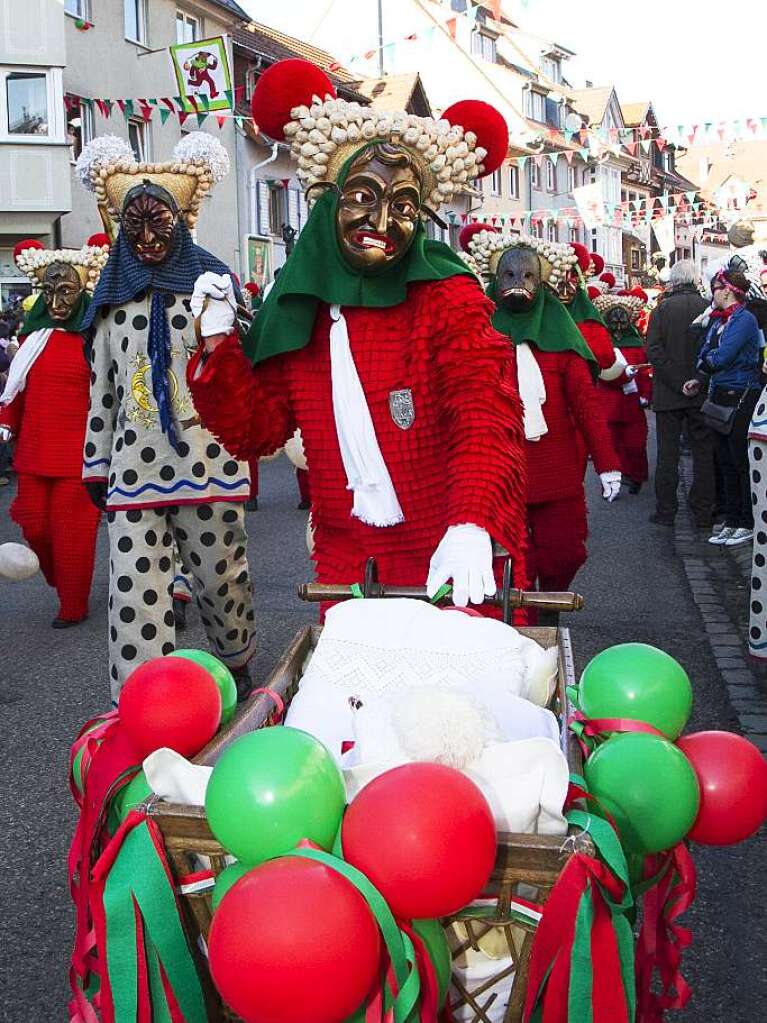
28, 243
584, 258
468, 232
252, 288
640, 293
100, 240
487, 124
597, 263
608, 278
593, 292
286, 84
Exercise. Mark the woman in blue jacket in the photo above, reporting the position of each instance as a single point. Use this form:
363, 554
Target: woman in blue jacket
730, 358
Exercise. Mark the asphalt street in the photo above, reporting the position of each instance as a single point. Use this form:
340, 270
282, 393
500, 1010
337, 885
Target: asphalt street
52, 681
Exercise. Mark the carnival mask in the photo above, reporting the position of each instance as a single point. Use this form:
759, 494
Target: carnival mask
517, 278
618, 321
149, 225
61, 289
567, 287
378, 209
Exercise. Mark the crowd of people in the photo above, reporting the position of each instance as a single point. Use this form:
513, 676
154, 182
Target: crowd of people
441, 462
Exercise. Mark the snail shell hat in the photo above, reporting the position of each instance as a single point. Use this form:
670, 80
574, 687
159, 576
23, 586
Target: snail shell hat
484, 246
108, 168
633, 304
294, 101
33, 259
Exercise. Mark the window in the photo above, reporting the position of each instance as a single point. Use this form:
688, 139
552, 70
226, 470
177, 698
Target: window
187, 28
635, 254
138, 139
80, 126
135, 20
536, 106
551, 68
551, 232
535, 172
78, 8
455, 232
514, 182
536, 229
573, 235
570, 179
483, 45
27, 103
495, 183
551, 183
277, 211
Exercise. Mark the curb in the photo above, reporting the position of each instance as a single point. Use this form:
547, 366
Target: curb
726, 637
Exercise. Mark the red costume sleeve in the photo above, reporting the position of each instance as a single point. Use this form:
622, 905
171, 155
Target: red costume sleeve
599, 341
482, 413
245, 409
10, 415
588, 412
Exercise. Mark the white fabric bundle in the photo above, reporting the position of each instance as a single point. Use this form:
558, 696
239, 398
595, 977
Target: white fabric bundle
532, 392
175, 779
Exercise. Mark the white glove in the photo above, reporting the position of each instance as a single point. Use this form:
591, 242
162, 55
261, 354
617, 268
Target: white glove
630, 387
219, 312
631, 372
611, 485
6, 434
465, 555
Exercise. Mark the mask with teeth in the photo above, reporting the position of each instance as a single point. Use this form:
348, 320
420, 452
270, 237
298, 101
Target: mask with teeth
517, 279
378, 209
149, 223
618, 321
567, 287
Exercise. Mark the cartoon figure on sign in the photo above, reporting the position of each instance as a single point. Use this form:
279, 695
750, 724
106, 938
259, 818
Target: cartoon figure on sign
198, 68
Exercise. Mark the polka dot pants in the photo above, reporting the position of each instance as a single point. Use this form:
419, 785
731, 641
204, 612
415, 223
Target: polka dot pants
757, 625
212, 542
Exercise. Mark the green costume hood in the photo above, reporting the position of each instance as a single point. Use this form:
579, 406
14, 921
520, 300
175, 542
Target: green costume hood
38, 317
547, 324
582, 308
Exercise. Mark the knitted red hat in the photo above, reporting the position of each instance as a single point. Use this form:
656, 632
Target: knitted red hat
286, 84
597, 263
468, 232
640, 293
252, 288
608, 278
487, 124
584, 258
593, 292
28, 243
99, 241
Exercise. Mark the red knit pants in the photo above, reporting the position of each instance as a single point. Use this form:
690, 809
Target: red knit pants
59, 522
629, 437
557, 543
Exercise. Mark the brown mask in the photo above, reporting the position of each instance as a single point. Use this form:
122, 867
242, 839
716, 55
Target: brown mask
61, 289
618, 321
150, 226
517, 279
378, 209
567, 288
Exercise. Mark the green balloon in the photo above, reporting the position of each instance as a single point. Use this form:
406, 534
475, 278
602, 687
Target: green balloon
270, 789
637, 681
432, 934
648, 786
228, 877
128, 798
222, 676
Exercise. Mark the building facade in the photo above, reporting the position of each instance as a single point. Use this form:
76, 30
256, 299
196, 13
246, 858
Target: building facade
34, 156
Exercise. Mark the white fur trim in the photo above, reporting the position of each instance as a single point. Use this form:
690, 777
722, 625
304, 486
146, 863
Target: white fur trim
617, 369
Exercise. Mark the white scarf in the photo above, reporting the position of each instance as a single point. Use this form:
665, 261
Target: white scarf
532, 391
22, 363
375, 500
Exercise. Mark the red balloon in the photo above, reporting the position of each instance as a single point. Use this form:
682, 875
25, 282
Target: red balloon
294, 942
733, 786
173, 702
425, 836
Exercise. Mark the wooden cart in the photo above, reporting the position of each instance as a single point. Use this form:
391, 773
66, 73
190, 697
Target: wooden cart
529, 860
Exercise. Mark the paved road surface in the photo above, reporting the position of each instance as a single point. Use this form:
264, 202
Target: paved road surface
50, 682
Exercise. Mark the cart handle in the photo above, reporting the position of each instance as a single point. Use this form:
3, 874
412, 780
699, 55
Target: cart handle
316, 592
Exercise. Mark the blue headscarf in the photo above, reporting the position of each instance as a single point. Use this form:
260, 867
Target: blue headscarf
125, 276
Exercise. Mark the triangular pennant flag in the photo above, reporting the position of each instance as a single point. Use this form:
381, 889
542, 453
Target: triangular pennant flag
691, 195
221, 121
168, 103
108, 105
646, 144
464, 217
201, 118
229, 93
569, 154
146, 113
661, 143
538, 159
164, 115
205, 100
121, 105
193, 100
554, 157
632, 147
182, 116
179, 100
153, 102
451, 25
521, 161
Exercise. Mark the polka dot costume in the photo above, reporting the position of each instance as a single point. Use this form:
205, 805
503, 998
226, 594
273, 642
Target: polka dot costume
144, 546
757, 624
124, 443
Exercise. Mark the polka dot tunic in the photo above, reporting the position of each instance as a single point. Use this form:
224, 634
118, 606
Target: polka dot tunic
124, 443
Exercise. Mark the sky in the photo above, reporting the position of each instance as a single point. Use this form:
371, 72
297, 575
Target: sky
697, 61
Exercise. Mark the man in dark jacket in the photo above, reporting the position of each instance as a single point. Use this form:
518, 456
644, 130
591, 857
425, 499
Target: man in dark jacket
672, 348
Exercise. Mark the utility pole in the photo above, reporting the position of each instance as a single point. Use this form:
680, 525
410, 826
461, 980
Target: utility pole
380, 40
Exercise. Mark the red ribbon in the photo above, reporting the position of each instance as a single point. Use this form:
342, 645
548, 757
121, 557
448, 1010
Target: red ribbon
662, 940
593, 728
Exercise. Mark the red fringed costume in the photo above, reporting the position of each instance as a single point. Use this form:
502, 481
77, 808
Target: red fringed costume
52, 507
461, 460
626, 416
556, 502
